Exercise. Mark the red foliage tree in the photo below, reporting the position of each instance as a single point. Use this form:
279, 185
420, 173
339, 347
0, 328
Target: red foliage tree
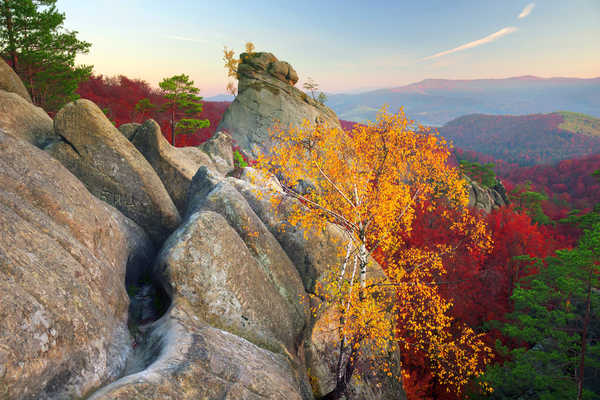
479, 285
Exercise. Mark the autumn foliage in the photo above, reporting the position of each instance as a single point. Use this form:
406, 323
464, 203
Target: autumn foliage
118, 97
521, 139
478, 284
371, 183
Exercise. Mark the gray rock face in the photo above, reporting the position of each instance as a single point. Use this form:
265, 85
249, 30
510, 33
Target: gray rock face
218, 147
266, 95
129, 129
197, 361
63, 259
312, 254
10, 81
19, 118
484, 198
278, 268
112, 168
174, 167
369, 382
208, 264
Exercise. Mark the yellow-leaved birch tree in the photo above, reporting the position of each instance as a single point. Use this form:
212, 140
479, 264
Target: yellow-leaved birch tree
369, 182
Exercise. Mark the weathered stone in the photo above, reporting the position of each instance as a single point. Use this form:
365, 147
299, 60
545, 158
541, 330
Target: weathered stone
202, 184
19, 118
208, 264
197, 361
129, 129
63, 260
197, 155
485, 198
10, 81
227, 201
369, 381
218, 147
174, 168
266, 95
312, 254
112, 168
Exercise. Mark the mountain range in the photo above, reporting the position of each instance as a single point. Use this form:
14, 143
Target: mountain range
437, 101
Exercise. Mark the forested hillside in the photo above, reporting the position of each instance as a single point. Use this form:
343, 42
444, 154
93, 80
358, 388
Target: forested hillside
526, 139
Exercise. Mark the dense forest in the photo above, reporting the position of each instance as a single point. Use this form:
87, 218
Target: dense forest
525, 140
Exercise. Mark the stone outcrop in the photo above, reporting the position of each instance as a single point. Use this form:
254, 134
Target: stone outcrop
10, 81
63, 260
208, 264
19, 118
219, 149
197, 361
129, 129
486, 198
266, 94
174, 167
112, 168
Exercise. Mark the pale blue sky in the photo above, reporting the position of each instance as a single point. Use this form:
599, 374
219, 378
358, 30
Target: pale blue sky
345, 45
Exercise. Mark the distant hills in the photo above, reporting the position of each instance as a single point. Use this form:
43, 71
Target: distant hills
437, 101
526, 139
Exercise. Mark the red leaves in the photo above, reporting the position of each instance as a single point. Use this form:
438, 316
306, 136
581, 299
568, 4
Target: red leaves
118, 96
479, 285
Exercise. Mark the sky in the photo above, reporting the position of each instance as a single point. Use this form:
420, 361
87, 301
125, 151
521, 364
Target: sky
345, 46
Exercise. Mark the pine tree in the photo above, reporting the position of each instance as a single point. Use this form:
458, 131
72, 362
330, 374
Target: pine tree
557, 317
182, 98
41, 51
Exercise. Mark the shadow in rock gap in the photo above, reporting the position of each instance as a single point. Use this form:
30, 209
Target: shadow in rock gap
148, 301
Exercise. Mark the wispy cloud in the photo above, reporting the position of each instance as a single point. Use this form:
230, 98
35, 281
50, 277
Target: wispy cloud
526, 11
186, 39
490, 38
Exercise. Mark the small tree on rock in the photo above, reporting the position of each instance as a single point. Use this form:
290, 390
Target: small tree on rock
313, 87
231, 64
182, 98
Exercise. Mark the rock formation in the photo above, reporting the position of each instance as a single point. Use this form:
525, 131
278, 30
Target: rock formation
63, 260
234, 281
10, 81
112, 168
485, 198
197, 361
174, 167
19, 118
266, 94
129, 129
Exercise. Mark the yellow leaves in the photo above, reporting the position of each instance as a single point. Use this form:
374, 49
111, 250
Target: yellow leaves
369, 182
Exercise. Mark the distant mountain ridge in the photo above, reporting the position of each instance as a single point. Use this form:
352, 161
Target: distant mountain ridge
437, 101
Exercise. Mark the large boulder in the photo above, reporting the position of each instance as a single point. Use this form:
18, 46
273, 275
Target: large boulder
265, 95
10, 81
129, 129
19, 118
193, 360
112, 168
219, 149
207, 263
278, 268
175, 168
63, 261
313, 254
